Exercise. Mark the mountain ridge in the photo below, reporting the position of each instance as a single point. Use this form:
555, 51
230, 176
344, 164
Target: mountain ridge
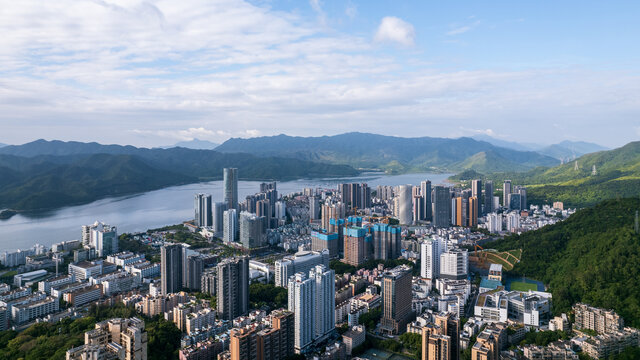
364, 150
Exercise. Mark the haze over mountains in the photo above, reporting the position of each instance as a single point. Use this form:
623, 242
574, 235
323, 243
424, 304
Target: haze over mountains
393, 154
564, 150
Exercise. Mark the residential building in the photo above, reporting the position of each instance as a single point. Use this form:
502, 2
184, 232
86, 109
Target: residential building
396, 299
599, 320
194, 267
321, 241
22, 313
454, 264
430, 252
386, 241
302, 296
171, 258
353, 338
354, 245
302, 261
252, 230
233, 287
230, 226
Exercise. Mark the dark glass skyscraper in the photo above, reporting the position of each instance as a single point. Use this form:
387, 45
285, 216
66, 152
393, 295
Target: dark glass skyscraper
231, 187
171, 268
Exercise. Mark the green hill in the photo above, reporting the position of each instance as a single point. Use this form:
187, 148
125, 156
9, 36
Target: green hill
33, 179
617, 176
592, 257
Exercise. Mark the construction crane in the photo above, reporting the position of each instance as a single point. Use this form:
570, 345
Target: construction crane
477, 246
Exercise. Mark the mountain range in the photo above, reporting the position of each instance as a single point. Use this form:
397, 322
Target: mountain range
194, 144
393, 154
48, 174
617, 174
564, 151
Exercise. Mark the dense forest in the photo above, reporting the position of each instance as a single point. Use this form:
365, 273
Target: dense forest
592, 257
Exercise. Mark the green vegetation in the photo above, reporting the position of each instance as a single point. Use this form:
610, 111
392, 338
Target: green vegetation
185, 236
523, 286
341, 268
543, 338
592, 257
412, 343
126, 242
370, 319
269, 295
31, 178
51, 341
618, 176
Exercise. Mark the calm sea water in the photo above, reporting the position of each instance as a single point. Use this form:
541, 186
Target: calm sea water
157, 208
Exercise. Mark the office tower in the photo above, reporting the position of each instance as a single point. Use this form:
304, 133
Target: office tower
405, 215
514, 201
263, 209
441, 206
314, 208
217, 217
302, 298
300, 262
243, 344
450, 326
252, 230
488, 198
472, 213
418, 208
203, 211
425, 192
454, 264
325, 300
354, 245
462, 210
230, 225
194, 267
476, 189
396, 300
171, 257
506, 190
233, 287
430, 252
231, 187
522, 191
321, 241
284, 321
105, 239
386, 241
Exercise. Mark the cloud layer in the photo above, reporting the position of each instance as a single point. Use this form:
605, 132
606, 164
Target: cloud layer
145, 72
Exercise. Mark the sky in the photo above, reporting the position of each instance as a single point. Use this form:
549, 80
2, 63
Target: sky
153, 73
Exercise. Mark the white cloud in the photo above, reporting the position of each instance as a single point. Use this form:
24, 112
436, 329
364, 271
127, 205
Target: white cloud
351, 10
461, 29
395, 30
316, 5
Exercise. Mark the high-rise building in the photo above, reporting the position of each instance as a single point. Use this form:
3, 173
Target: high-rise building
514, 201
252, 230
487, 346
203, 210
354, 245
126, 336
450, 326
430, 252
325, 279
104, 238
233, 287
231, 187
230, 225
263, 209
472, 213
425, 192
321, 241
476, 189
418, 208
281, 210
494, 223
441, 206
243, 343
396, 300
314, 208
171, 257
405, 205
506, 190
217, 217
208, 283
454, 264
194, 267
462, 211
488, 198
386, 241
522, 191
302, 295
284, 321
302, 261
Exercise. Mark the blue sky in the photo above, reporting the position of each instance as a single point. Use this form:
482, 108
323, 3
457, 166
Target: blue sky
156, 72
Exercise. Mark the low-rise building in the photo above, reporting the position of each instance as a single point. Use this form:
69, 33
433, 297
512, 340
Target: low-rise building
611, 343
46, 285
26, 312
84, 295
354, 338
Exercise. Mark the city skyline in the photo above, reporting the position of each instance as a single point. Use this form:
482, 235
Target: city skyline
155, 73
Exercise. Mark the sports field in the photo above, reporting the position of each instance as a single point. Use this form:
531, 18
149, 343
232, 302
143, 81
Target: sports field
523, 286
